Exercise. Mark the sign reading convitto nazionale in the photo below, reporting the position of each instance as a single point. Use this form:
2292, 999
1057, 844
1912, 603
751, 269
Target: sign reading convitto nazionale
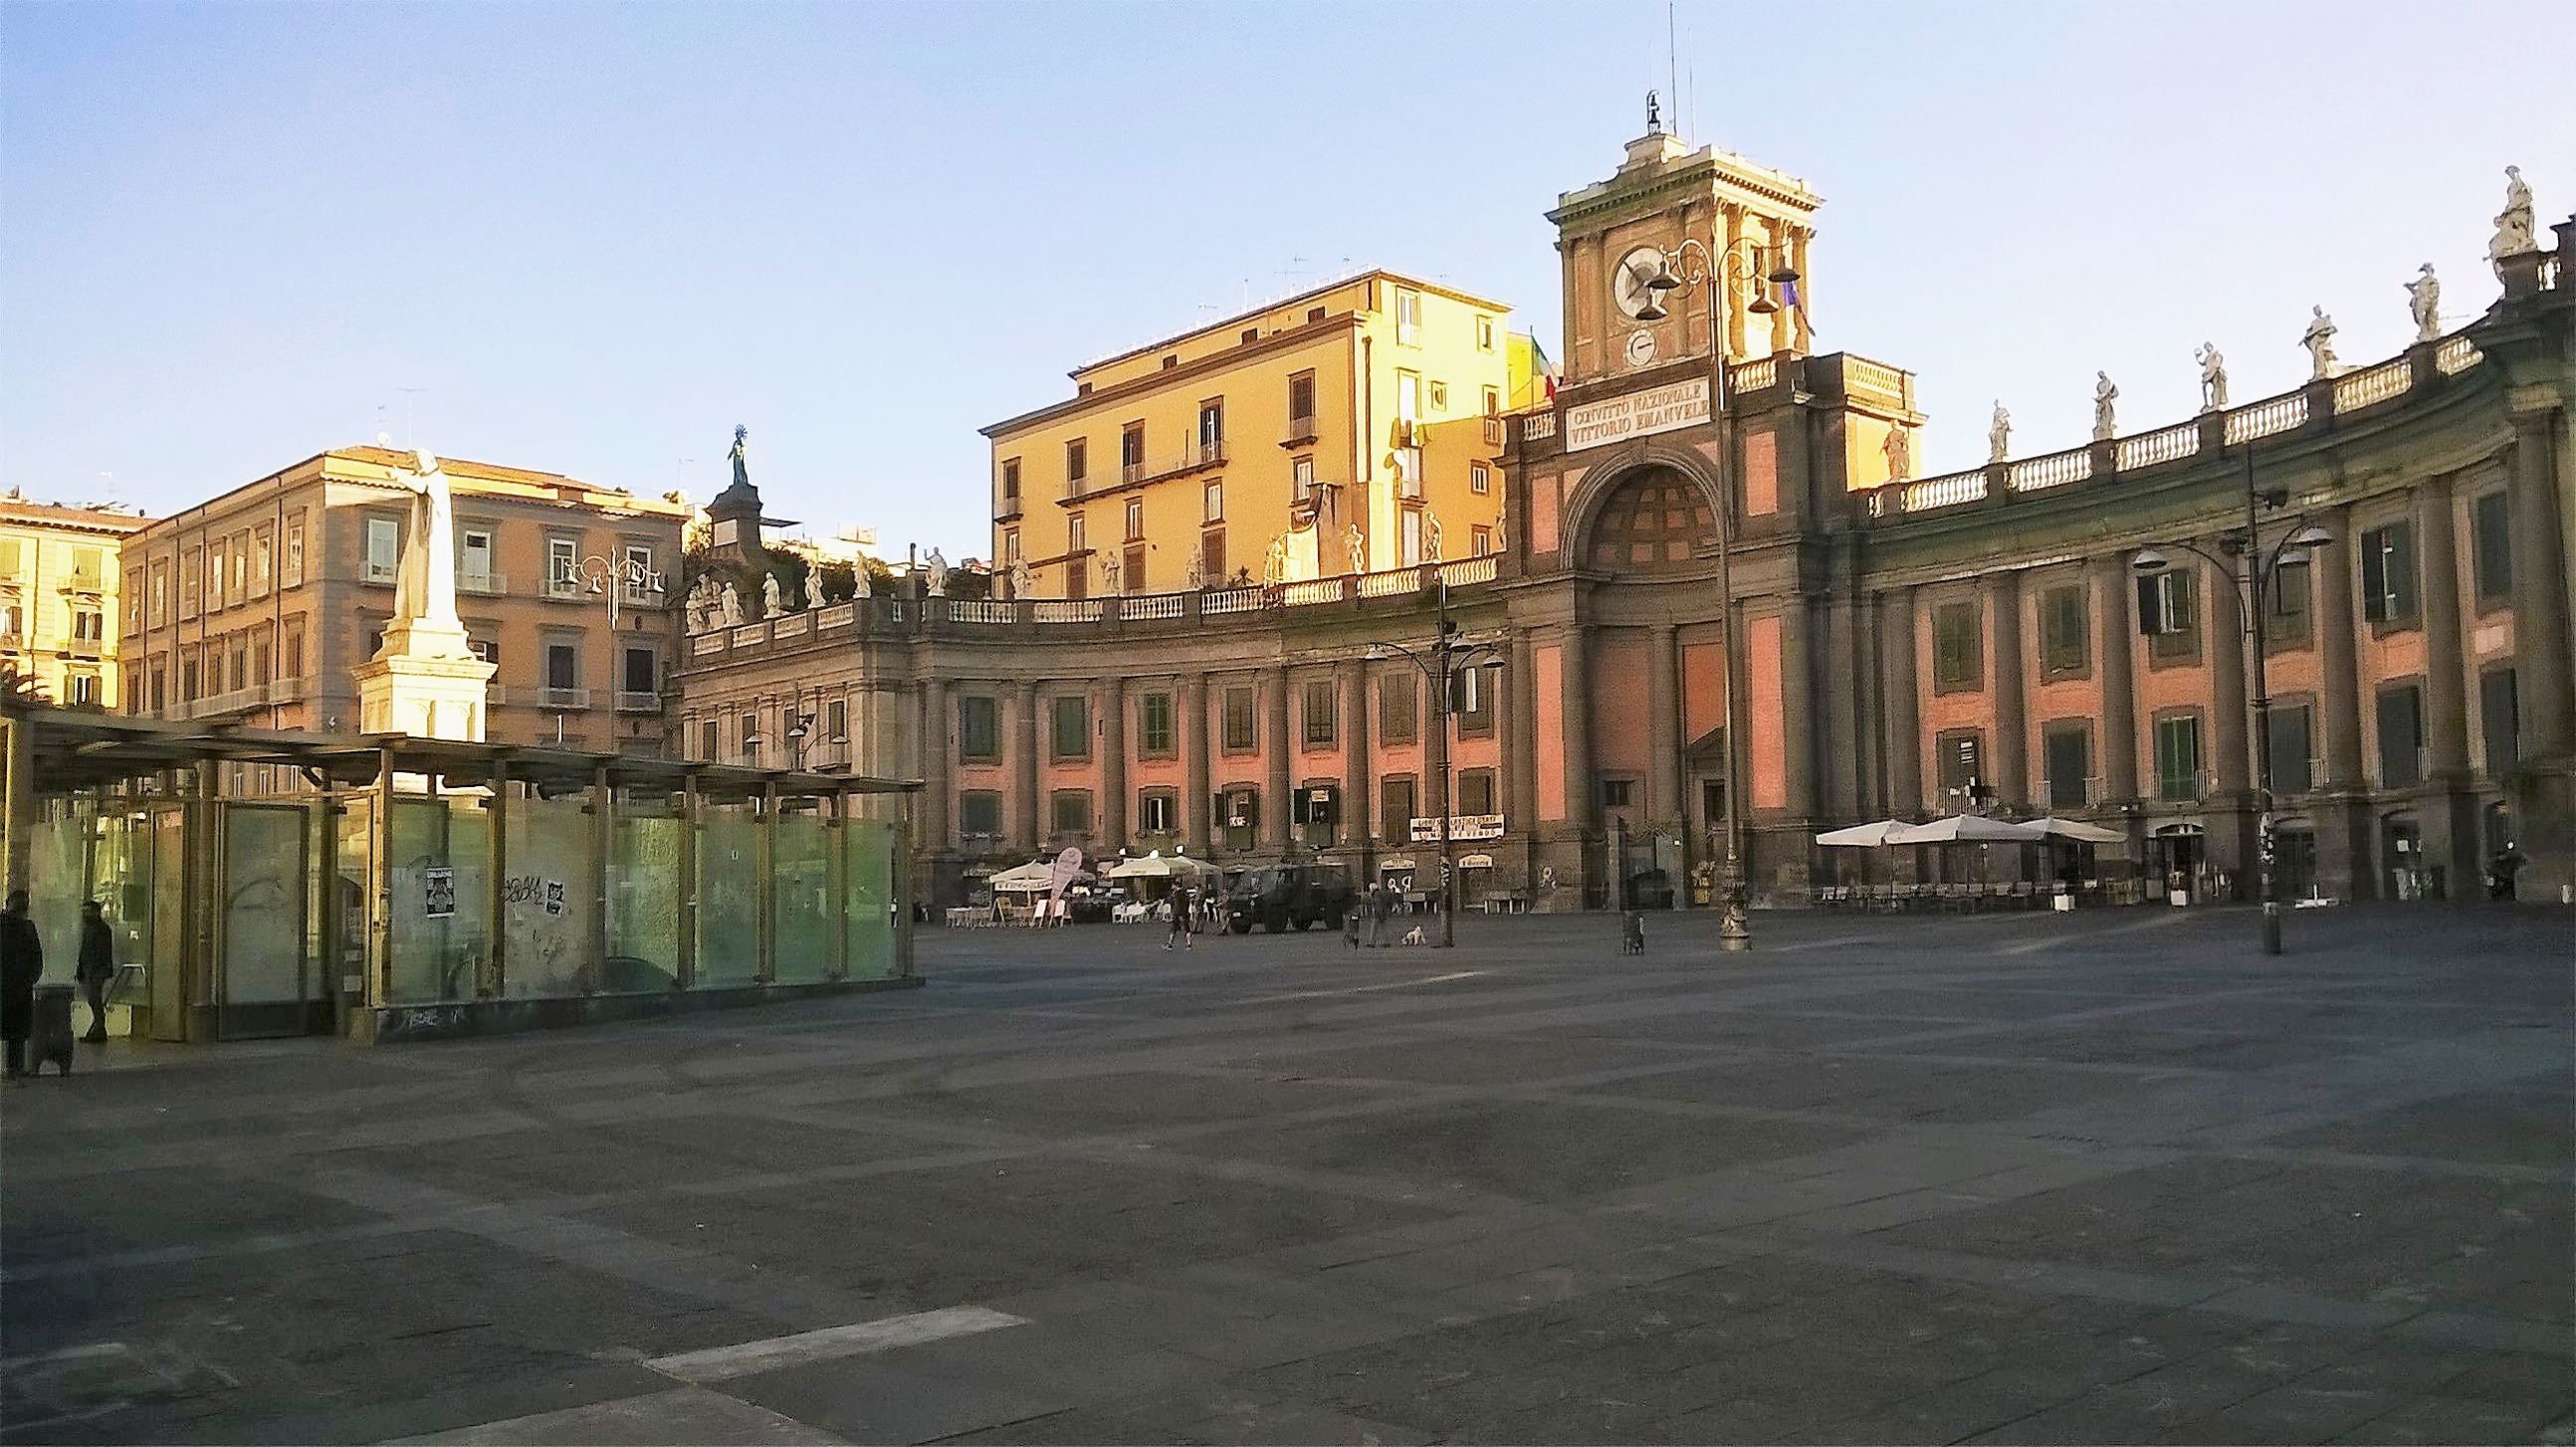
1638, 414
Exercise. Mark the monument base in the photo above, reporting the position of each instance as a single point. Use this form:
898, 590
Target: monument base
425, 684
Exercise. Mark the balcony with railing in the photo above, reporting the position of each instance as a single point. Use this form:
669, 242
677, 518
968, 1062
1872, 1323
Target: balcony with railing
1197, 457
630, 700
486, 583
1300, 431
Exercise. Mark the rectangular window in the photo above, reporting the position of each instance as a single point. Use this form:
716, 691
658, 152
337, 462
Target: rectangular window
384, 549
1075, 539
1070, 809
2069, 748
1131, 452
1408, 316
641, 666
1158, 812
1301, 407
1154, 724
1301, 480
1480, 478
748, 731
89, 626
1315, 708
1318, 809
1958, 649
2064, 645
161, 593
2388, 573
214, 593
1480, 541
2169, 612
1485, 342
979, 813
637, 581
1135, 518
979, 727
81, 687
2491, 545
1472, 701
1411, 541
707, 741
474, 559
1077, 465
836, 721
1239, 733
1618, 793
260, 562
13, 557
1011, 546
2293, 742
293, 570
2500, 719
1212, 503
1211, 431
1476, 791
1069, 733
2285, 605
1960, 763
1131, 576
563, 565
563, 666
2401, 736
1395, 809
1011, 484
1397, 705
1212, 556
2178, 758
1493, 401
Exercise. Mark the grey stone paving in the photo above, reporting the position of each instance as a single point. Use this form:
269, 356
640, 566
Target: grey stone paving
2109, 1177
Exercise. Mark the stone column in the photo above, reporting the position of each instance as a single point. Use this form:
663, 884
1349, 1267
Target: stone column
2230, 817
2342, 818
1113, 764
1582, 797
2542, 648
2118, 747
1520, 740
1842, 691
1353, 827
1279, 753
1196, 800
2011, 707
1903, 724
1797, 722
1735, 345
937, 706
1663, 730
1024, 771
2450, 814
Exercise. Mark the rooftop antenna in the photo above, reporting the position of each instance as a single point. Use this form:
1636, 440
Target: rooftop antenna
411, 413
1672, 65
680, 473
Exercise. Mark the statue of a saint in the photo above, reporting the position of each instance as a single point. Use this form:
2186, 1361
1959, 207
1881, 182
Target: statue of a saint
1999, 434
2104, 394
741, 474
2213, 377
701, 603
2319, 340
425, 581
2425, 292
1110, 573
1274, 562
1899, 447
936, 566
1022, 584
861, 585
2514, 234
1198, 577
769, 604
1356, 546
1431, 537
729, 607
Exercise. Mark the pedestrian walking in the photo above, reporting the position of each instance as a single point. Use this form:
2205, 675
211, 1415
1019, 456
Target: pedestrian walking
1380, 905
1351, 913
1183, 902
22, 964
97, 967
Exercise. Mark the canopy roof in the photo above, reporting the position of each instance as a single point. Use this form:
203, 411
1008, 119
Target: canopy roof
2077, 830
1155, 866
1861, 836
1966, 829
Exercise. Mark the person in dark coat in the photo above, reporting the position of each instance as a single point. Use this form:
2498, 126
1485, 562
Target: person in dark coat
22, 964
97, 967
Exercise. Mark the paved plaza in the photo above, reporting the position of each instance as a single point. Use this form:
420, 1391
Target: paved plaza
2028, 1178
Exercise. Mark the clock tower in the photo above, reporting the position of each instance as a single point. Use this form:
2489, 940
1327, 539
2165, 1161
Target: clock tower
1617, 235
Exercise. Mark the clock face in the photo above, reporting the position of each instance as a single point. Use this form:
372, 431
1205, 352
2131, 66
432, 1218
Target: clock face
1641, 348
1628, 285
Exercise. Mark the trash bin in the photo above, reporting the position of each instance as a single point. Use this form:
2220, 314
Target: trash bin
52, 1037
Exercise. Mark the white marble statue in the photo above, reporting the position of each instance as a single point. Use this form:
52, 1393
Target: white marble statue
1355, 544
936, 566
1022, 583
2425, 292
729, 607
861, 585
1111, 572
2514, 234
2105, 392
2213, 377
2319, 340
1999, 434
1274, 562
769, 605
1899, 447
425, 580
1197, 578
702, 603
1431, 537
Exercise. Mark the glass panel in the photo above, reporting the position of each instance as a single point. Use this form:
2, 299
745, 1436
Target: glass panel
808, 943
355, 856
263, 905
169, 924
874, 901
57, 879
548, 899
121, 874
644, 897
441, 910
728, 895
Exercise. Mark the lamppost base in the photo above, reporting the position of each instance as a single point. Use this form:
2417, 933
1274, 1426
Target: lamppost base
2271, 926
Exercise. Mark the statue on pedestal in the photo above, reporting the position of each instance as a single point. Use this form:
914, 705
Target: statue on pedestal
1899, 447
1198, 577
2425, 293
861, 585
2319, 340
701, 603
1431, 537
1354, 544
769, 607
2514, 234
1022, 584
1274, 563
936, 566
425, 579
2105, 392
2213, 378
729, 607
1110, 573
1999, 434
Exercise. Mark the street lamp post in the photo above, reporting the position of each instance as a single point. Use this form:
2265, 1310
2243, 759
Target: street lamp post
613, 577
1717, 271
2253, 572
1439, 671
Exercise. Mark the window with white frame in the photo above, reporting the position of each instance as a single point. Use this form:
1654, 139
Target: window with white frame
638, 580
384, 549
1212, 503
563, 563
1408, 316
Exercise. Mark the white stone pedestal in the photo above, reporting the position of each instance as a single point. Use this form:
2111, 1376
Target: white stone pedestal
426, 683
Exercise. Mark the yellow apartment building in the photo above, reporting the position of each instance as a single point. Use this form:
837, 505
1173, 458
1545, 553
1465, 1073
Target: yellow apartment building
1349, 428
263, 600
58, 598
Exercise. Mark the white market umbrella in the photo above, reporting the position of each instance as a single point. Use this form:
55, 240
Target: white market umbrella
1035, 877
1155, 866
1862, 836
2076, 830
1966, 829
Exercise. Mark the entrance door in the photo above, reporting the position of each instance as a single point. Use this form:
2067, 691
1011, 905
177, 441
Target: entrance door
2294, 863
266, 974
2403, 841
2174, 856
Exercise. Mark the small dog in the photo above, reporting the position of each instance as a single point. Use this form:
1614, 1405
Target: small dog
1632, 934
1415, 936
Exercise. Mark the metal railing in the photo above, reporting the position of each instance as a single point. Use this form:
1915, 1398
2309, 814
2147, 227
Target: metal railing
1300, 429
631, 700
486, 583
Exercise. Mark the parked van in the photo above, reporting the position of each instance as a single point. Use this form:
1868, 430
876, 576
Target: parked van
1278, 896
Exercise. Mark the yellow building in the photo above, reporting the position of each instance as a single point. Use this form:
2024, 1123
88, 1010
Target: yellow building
58, 589
1350, 428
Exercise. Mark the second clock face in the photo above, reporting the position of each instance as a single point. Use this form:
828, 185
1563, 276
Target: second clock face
1628, 286
1641, 348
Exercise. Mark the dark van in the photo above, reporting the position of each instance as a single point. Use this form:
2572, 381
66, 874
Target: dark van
1278, 896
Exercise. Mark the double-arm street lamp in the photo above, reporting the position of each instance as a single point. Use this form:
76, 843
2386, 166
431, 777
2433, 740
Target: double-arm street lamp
614, 577
1719, 272
2254, 571
1448, 659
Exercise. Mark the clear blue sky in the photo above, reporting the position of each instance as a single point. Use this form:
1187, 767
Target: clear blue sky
598, 236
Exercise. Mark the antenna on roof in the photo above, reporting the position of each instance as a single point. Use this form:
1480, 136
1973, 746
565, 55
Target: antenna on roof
1672, 65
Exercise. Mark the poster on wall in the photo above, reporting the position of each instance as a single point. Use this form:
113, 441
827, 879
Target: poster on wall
438, 892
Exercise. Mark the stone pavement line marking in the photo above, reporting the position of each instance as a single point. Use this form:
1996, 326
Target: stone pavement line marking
1361, 989
743, 1359
681, 1415
2032, 947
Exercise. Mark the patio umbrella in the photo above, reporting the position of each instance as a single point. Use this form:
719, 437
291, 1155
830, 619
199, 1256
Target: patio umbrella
1155, 866
1862, 836
1966, 829
1034, 877
2076, 830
